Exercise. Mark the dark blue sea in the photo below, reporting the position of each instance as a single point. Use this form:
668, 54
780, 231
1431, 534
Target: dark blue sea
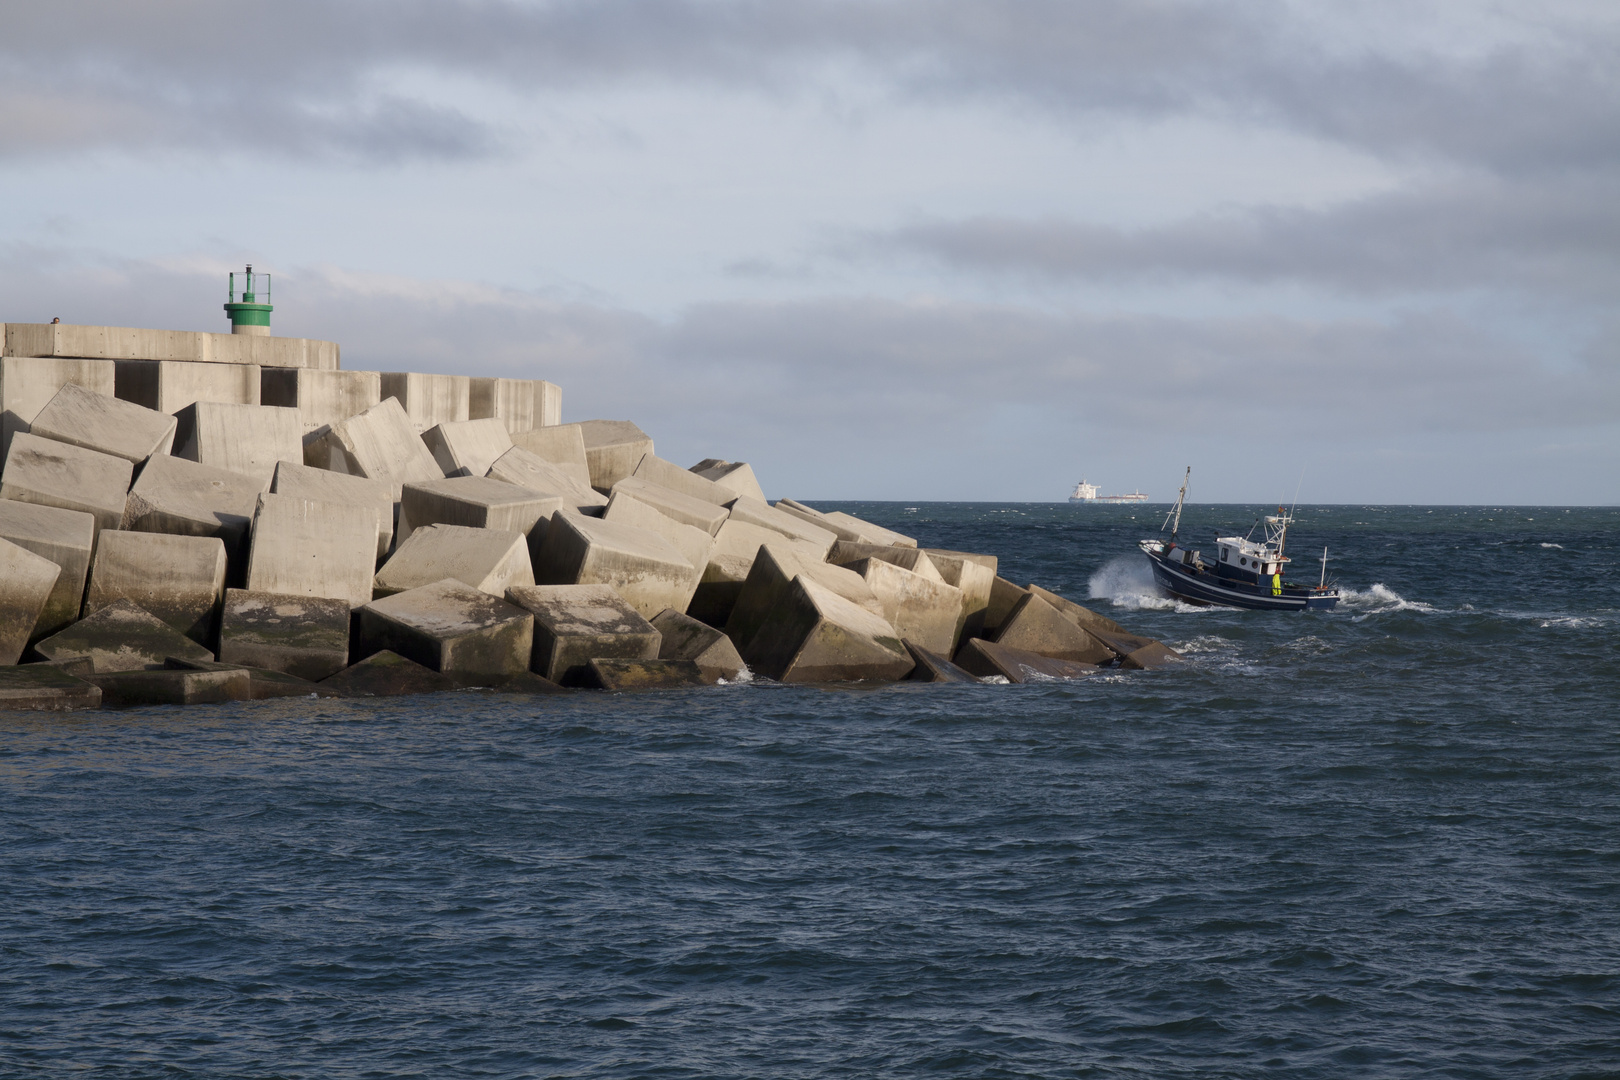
1377, 842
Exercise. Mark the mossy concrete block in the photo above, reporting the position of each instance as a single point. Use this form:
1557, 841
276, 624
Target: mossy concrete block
667, 474
644, 568
477, 502
1036, 626
468, 448
562, 445
489, 560
698, 513
429, 400
322, 398
26, 582
774, 568
311, 548
387, 674
814, 635
736, 475
523, 469
131, 689
920, 608
263, 683
974, 576
48, 473
179, 579
107, 425
613, 449
622, 675
27, 384
46, 688
692, 542
1077, 614
306, 636
381, 444
452, 628
167, 386
520, 404
574, 624
246, 439
752, 511
65, 537
320, 485
121, 637
932, 667
987, 660
685, 638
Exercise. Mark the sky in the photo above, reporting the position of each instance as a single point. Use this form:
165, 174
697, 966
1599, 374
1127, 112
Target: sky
1367, 251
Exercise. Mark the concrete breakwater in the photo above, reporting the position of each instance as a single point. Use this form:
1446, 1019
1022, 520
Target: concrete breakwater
210, 517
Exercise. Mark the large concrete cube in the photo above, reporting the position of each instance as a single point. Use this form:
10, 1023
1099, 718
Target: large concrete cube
846, 553
519, 467
667, 474
736, 545
975, 575
477, 502
81, 417
846, 526
814, 635
321, 485
988, 660
130, 689
574, 624
246, 439
49, 473
613, 449
1077, 614
307, 636
692, 542
46, 687
429, 400
1004, 596
752, 511
1135, 652
169, 386
452, 628
380, 444
626, 675
262, 683
773, 570
685, 638
644, 568
187, 498
26, 581
920, 609
121, 637
1036, 626
179, 579
387, 674
699, 513
27, 384
322, 398
490, 560
520, 404
310, 548
736, 475
562, 445
468, 448
65, 537
932, 667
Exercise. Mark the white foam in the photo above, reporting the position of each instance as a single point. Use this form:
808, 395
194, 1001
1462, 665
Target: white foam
743, 676
1560, 547
1380, 599
1127, 582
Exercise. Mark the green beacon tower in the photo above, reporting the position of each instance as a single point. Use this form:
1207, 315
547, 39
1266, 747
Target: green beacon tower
248, 315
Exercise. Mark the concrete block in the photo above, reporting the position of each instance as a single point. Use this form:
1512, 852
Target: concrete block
387, 674
736, 545
847, 527
452, 628
1036, 626
988, 659
736, 475
170, 385
692, 542
1075, 613
187, 498
699, 513
65, 537
752, 511
845, 552
520, 404
476, 502
932, 667
490, 560
322, 398
131, 689
562, 445
121, 637
468, 448
1004, 596
308, 548
942, 555
49, 473
643, 567
428, 400
667, 474
613, 449
774, 569
380, 444
179, 579
1138, 653
320, 485
246, 439
624, 675
974, 576
574, 624
81, 417
919, 608
524, 469
46, 687
79, 666
263, 683
128, 343
26, 581
685, 638
306, 636
28, 384
814, 635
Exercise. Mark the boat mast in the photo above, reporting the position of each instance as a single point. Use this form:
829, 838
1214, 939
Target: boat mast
1323, 583
1176, 512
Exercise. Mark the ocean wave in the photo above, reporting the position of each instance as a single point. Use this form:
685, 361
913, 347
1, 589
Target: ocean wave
1127, 582
1205, 643
1560, 547
1380, 599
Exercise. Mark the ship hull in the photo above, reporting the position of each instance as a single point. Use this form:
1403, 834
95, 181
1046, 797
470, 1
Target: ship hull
1208, 589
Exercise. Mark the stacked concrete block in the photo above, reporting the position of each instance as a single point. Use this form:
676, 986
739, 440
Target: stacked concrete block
387, 674
647, 570
306, 636
975, 575
736, 475
169, 386
380, 444
179, 579
308, 548
752, 511
989, 660
563, 446
476, 502
131, 689
685, 638
656, 470
320, 485
26, 581
66, 538
128, 343
490, 560
699, 513
1004, 596
27, 385
84, 418
625, 675
520, 467
932, 667
613, 449
468, 448
1075, 613
48, 473
322, 398
846, 526
689, 540
121, 637
846, 553
45, 687
520, 404
920, 609
428, 400
452, 628
1036, 626
247, 439
262, 683
773, 571
1137, 653
736, 546
814, 635
574, 624
187, 498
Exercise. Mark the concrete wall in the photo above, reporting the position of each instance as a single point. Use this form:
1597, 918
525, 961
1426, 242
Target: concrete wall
128, 343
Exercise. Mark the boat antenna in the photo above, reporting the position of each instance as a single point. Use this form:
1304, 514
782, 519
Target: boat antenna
1323, 583
1176, 510
1296, 492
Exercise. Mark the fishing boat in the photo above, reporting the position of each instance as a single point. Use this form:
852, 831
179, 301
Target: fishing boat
1246, 573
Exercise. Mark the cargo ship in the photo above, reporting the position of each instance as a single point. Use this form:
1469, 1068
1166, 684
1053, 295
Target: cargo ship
1087, 493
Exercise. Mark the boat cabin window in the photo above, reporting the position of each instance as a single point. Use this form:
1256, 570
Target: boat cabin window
1226, 554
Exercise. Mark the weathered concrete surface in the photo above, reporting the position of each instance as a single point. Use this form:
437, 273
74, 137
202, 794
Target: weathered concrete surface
643, 567
932, 667
387, 674
263, 683
450, 627
624, 675
520, 467
308, 548
322, 398
380, 444
942, 555
1036, 626
736, 546
26, 581
320, 485
169, 386
27, 385
81, 417
48, 473
66, 538
129, 343
46, 687
130, 689
987, 659
79, 666
919, 608
613, 449
692, 542
477, 502
699, 513
179, 579
428, 400
975, 577
187, 498
845, 553
752, 511
574, 624
562, 445
685, 638
736, 475
1004, 596
306, 636
1075, 613
468, 448
520, 404
846, 527
489, 560
121, 637
1137, 653
774, 568
656, 470
246, 439
814, 635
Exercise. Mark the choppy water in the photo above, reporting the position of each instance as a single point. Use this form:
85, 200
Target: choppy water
1379, 842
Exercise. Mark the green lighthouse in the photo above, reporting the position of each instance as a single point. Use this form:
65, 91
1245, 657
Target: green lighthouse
249, 316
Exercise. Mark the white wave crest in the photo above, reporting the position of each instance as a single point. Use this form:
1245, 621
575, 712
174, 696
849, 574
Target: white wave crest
1127, 582
743, 676
1380, 599
1560, 547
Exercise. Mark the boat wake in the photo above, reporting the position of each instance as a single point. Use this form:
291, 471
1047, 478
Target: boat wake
1127, 582
1380, 599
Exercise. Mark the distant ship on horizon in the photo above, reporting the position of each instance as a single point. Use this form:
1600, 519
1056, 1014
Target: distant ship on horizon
1088, 493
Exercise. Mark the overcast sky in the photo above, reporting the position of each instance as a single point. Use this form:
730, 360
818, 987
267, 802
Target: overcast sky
954, 249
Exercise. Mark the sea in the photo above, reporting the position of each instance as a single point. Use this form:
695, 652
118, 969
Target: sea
1382, 841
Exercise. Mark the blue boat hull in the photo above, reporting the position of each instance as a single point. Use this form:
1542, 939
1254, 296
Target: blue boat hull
1206, 588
